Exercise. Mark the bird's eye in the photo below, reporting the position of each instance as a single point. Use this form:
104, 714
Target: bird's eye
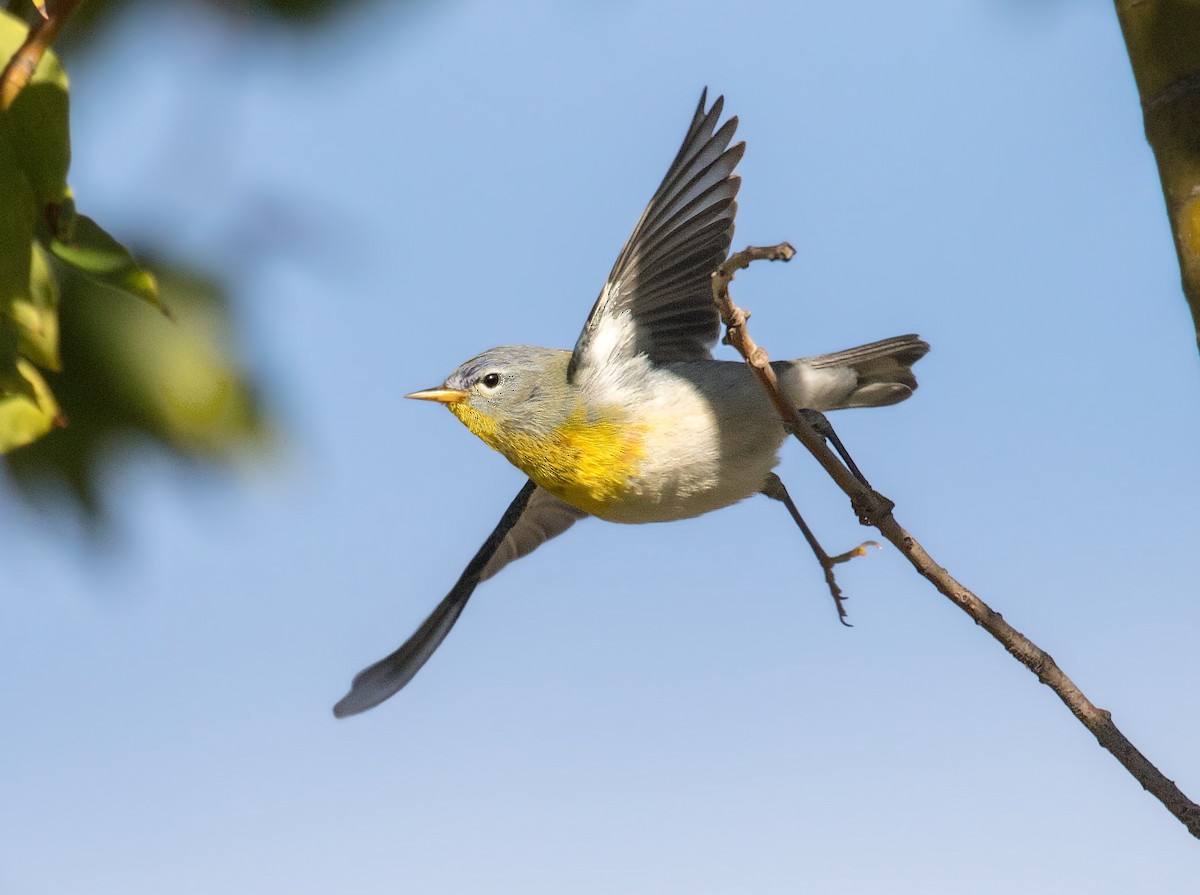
491, 380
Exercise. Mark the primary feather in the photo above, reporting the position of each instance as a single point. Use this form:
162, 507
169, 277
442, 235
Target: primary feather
658, 299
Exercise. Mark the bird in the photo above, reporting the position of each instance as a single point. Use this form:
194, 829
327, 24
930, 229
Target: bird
638, 423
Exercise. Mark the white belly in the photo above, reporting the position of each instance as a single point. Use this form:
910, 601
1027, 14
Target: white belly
711, 439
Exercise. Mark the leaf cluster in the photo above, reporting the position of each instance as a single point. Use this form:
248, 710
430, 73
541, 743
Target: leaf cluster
81, 364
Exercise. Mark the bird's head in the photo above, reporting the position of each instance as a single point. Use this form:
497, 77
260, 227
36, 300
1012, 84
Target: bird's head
510, 392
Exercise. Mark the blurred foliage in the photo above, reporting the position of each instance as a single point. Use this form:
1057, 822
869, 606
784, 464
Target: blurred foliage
92, 15
82, 364
128, 373
37, 213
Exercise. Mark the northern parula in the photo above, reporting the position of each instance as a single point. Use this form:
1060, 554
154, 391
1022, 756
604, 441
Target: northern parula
638, 423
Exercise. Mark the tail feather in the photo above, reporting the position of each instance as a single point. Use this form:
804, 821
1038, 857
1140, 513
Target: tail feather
872, 375
889, 360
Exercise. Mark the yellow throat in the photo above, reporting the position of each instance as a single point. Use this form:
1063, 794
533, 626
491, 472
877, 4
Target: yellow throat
588, 463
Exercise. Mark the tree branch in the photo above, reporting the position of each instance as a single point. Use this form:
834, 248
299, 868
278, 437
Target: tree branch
24, 62
1161, 37
875, 509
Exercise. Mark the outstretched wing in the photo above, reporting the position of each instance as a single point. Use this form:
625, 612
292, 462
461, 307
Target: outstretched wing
534, 517
658, 298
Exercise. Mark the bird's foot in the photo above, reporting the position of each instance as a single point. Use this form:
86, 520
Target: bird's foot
775, 490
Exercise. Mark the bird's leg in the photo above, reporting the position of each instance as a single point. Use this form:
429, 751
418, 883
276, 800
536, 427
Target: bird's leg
775, 490
824, 428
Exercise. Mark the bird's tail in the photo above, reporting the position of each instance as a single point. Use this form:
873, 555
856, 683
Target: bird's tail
872, 375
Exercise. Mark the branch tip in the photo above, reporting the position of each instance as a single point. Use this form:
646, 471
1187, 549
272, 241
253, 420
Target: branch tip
24, 62
875, 509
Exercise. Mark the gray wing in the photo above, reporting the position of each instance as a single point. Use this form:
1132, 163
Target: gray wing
534, 517
658, 298
545, 517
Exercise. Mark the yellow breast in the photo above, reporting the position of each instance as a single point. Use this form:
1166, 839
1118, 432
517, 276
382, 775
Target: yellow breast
588, 463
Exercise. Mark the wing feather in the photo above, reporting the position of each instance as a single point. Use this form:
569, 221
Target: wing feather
534, 517
661, 283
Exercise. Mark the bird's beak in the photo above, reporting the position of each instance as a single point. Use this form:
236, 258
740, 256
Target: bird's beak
441, 395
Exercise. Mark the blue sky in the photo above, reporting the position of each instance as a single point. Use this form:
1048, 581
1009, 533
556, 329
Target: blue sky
649, 709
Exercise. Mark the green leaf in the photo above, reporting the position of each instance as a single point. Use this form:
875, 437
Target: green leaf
36, 317
129, 378
38, 120
17, 216
178, 377
10, 342
27, 408
105, 260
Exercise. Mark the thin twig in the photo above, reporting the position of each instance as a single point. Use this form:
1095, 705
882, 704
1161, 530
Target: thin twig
24, 62
875, 509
